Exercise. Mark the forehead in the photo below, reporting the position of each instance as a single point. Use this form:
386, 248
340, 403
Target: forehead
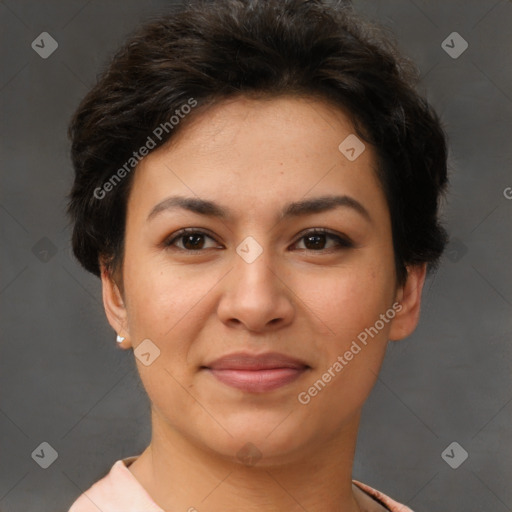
259, 152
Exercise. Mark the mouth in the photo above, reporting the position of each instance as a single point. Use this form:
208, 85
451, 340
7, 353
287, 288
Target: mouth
256, 373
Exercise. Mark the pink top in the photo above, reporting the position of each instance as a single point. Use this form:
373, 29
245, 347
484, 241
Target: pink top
120, 491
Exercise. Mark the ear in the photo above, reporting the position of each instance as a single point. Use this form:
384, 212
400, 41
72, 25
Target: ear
409, 297
115, 308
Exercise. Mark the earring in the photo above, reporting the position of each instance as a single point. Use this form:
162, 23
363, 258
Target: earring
119, 339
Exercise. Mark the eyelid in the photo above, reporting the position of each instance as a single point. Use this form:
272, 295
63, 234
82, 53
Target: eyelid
169, 241
324, 231
342, 240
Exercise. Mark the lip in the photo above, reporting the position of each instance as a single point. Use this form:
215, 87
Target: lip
256, 373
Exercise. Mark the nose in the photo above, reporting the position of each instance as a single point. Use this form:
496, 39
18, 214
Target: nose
255, 296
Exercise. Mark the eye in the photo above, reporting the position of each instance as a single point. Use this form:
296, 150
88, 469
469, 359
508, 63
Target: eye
317, 237
193, 240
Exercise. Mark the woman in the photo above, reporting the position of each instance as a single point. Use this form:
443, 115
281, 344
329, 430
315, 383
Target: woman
257, 186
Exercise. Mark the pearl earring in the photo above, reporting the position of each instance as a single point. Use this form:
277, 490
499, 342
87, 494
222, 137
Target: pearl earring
120, 339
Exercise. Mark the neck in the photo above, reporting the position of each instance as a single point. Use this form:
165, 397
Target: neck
180, 475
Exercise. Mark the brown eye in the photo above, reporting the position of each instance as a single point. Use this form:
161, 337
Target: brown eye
315, 240
191, 240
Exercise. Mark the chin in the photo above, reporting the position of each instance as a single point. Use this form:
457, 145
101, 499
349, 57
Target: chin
255, 442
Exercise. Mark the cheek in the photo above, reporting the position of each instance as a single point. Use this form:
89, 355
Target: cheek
349, 357
157, 298
350, 301
169, 305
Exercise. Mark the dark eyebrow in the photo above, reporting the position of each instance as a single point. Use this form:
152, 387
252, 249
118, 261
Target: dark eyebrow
296, 209
322, 204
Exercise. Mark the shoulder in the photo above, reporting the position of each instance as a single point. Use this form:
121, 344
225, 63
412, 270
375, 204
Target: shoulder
389, 503
118, 491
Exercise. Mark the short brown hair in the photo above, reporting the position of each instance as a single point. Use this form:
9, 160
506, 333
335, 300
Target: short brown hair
214, 50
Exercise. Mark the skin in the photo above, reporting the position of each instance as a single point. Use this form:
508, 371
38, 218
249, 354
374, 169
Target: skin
253, 157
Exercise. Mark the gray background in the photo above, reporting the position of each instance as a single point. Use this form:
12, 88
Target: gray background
64, 381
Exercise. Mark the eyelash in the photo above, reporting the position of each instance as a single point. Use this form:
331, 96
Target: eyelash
341, 242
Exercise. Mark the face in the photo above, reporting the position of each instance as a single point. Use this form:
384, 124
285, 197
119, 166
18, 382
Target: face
278, 271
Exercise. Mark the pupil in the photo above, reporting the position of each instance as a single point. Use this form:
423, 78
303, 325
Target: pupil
317, 241
188, 238
317, 237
